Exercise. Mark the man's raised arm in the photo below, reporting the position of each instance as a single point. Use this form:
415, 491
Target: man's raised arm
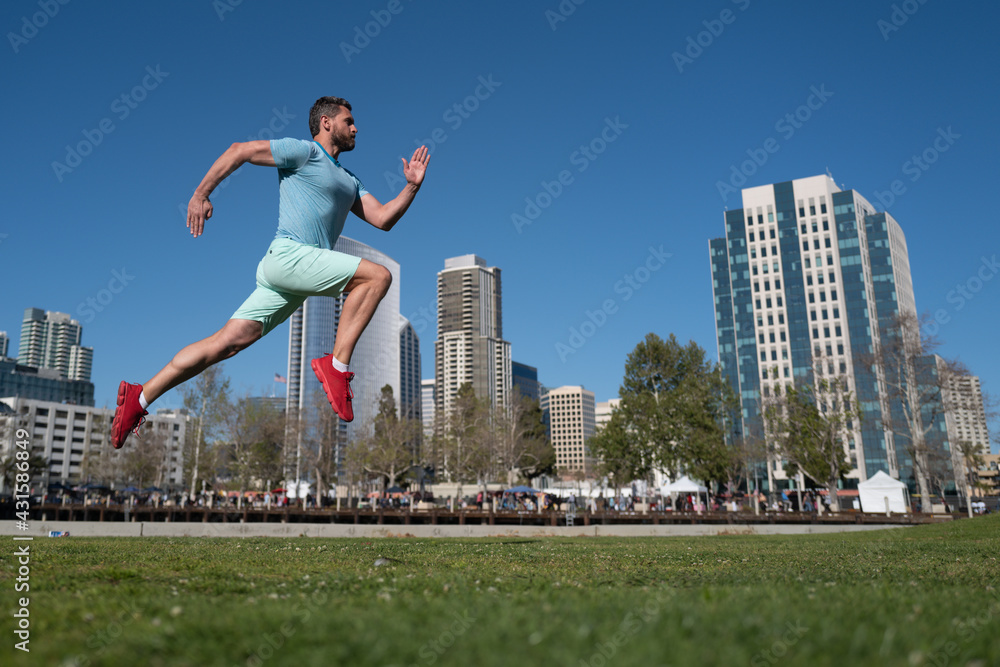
384, 216
200, 208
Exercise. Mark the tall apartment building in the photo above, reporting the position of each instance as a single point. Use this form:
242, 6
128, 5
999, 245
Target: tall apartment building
470, 347
571, 423
966, 422
4, 344
376, 358
52, 340
67, 435
805, 282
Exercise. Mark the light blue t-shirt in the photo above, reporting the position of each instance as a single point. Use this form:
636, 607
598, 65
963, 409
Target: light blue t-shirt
315, 192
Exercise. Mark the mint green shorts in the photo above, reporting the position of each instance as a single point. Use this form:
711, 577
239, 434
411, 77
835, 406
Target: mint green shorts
290, 272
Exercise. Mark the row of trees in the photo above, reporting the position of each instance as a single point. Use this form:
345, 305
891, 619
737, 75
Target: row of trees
475, 444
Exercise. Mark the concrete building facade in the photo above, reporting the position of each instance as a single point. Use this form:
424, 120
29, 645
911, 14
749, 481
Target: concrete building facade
470, 348
569, 413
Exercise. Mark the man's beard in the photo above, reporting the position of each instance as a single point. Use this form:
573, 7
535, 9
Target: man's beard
344, 143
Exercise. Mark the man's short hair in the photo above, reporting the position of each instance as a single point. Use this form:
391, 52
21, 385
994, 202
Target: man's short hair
325, 106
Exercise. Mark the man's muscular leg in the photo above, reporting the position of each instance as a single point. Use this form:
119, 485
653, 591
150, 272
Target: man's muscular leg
236, 335
365, 291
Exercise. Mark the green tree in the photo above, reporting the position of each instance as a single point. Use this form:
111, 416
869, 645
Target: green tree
674, 401
388, 451
10, 466
812, 426
619, 453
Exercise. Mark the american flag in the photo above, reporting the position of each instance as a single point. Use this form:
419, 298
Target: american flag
280, 378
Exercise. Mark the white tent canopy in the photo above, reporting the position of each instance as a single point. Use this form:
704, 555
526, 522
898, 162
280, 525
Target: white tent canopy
879, 487
684, 485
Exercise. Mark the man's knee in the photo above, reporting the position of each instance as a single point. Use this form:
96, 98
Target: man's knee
383, 278
240, 336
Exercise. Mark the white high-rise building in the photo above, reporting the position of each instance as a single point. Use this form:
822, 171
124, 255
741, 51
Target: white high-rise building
603, 410
571, 418
807, 281
965, 421
376, 358
470, 348
52, 340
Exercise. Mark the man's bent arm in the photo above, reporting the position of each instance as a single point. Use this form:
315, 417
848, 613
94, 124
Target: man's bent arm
385, 216
200, 208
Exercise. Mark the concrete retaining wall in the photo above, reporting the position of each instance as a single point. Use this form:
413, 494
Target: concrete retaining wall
201, 529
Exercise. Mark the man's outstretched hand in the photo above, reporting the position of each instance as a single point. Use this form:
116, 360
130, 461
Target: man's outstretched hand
414, 170
200, 210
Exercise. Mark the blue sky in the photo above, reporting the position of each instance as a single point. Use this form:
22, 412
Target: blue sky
616, 120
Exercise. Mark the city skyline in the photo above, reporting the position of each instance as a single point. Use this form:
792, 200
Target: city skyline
592, 176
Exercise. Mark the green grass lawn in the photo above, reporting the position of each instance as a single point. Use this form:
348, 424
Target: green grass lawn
927, 595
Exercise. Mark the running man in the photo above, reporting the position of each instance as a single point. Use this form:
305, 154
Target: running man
315, 195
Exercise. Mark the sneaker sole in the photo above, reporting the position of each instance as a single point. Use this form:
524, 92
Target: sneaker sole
116, 424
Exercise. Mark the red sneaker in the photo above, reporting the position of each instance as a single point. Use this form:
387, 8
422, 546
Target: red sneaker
129, 415
337, 386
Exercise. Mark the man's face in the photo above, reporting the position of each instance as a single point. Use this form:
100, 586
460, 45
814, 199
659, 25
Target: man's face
343, 130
